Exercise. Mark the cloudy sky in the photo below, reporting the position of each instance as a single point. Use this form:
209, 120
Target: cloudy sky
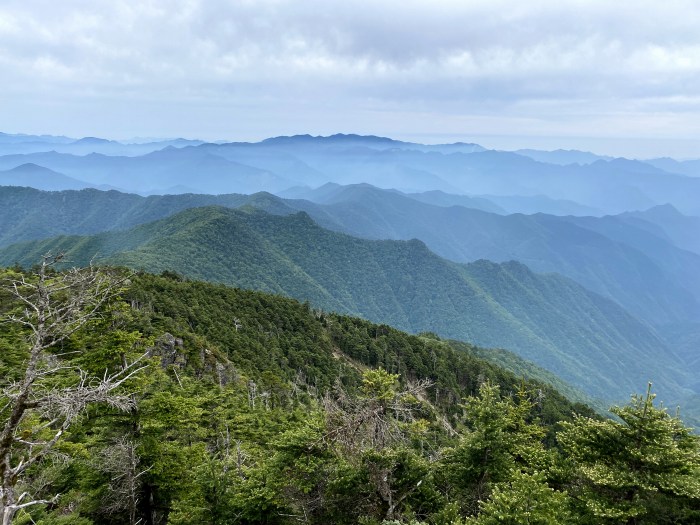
617, 77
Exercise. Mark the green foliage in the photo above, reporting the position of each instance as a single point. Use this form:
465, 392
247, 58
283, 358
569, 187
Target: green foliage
26, 213
379, 384
259, 409
584, 339
638, 468
499, 442
525, 499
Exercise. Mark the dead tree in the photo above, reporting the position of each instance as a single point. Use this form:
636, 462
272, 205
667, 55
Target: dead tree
362, 423
35, 412
374, 422
122, 463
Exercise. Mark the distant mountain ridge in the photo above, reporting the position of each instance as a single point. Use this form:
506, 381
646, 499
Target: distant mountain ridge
563, 157
681, 229
164, 168
35, 176
371, 141
26, 144
647, 274
19, 138
585, 339
630, 260
683, 167
604, 186
507, 204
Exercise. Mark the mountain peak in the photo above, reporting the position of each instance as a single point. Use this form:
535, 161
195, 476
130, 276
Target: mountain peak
92, 140
338, 138
30, 167
665, 210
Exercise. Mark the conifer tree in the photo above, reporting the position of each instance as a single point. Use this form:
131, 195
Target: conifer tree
47, 394
500, 441
525, 499
644, 468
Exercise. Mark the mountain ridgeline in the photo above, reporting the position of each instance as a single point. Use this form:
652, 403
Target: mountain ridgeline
256, 408
634, 263
645, 262
587, 340
602, 186
257, 335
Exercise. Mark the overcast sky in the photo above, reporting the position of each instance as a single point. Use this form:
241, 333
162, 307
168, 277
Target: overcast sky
617, 77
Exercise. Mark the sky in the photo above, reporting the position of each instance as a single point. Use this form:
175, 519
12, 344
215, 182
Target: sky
615, 77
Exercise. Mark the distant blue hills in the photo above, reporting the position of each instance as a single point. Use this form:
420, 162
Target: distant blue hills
578, 182
620, 235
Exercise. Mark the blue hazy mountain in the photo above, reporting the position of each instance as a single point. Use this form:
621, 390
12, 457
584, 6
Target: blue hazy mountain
160, 170
604, 186
667, 221
685, 167
563, 156
506, 204
21, 138
14, 144
366, 141
501, 204
41, 178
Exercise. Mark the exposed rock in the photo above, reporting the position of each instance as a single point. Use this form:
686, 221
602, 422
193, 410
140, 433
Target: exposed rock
170, 349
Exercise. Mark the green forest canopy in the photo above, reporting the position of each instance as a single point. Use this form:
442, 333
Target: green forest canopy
260, 409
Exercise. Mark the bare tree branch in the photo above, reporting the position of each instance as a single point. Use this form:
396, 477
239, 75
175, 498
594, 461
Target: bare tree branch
361, 423
54, 306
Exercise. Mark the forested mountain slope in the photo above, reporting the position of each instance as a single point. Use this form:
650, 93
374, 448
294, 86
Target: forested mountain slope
633, 262
587, 340
256, 408
646, 273
27, 213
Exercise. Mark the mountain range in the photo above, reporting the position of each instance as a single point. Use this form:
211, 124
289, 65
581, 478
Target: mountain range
630, 258
586, 265
34, 176
603, 186
584, 338
18, 143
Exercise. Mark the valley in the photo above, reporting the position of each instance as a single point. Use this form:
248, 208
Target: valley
583, 300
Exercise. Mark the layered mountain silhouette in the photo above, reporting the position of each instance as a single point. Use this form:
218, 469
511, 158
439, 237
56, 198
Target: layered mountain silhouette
626, 258
35, 176
584, 338
598, 187
582, 263
12, 144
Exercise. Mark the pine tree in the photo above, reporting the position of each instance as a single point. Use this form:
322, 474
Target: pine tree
47, 394
644, 468
500, 442
525, 499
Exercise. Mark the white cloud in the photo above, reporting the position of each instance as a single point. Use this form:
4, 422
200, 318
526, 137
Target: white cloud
627, 60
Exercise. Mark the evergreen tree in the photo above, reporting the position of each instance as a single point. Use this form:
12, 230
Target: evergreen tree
525, 499
500, 443
644, 468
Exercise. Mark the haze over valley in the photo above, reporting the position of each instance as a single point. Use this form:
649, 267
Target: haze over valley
322, 262
588, 269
